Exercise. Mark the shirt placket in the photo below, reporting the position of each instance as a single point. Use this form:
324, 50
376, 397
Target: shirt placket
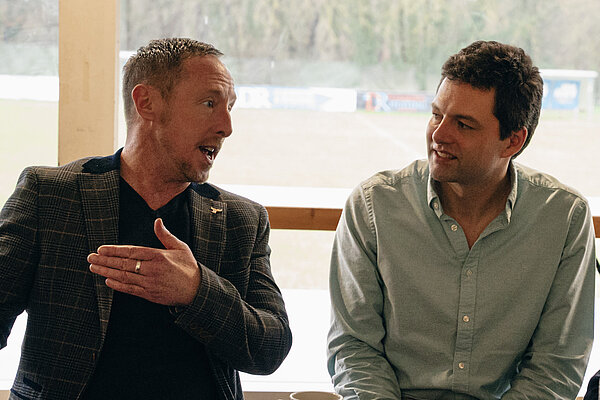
465, 322
466, 306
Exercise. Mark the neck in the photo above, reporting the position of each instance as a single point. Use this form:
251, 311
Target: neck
472, 203
144, 173
474, 207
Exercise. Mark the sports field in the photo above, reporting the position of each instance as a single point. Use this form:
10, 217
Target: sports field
301, 148
304, 148
314, 149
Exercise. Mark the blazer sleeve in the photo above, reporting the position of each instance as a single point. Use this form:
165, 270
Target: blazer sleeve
248, 331
19, 252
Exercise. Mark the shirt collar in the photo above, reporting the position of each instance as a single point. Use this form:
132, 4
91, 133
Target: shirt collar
432, 197
512, 196
435, 204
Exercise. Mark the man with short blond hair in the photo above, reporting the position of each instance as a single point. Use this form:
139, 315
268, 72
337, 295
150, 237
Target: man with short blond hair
141, 280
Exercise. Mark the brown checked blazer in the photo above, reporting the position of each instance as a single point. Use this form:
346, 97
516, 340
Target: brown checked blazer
57, 216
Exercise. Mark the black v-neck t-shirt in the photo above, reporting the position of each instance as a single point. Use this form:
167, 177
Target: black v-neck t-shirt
145, 355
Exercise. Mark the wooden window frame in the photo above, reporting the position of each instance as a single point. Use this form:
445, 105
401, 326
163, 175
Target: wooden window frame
325, 219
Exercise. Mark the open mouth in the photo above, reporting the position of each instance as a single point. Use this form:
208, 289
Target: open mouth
210, 151
445, 155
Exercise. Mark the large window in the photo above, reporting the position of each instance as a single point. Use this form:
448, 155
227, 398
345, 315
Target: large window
296, 67
329, 92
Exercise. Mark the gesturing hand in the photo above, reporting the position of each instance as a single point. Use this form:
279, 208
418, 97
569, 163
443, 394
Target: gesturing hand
167, 276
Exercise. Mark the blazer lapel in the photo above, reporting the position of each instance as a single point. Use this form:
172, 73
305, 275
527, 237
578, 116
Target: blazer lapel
208, 229
100, 202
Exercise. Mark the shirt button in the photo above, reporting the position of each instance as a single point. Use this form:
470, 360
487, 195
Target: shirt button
466, 318
469, 272
461, 365
436, 206
454, 227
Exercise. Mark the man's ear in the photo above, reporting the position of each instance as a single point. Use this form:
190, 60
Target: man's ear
515, 142
147, 101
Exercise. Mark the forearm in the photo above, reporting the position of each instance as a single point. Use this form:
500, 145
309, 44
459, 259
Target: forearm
250, 335
547, 377
357, 364
553, 373
359, 371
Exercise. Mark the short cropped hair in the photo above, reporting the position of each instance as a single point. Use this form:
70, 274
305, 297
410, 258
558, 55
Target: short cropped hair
510, 72
159, 64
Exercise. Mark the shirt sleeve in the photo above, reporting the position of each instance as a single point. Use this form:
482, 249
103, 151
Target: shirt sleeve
250, 332
554, 363
356, 359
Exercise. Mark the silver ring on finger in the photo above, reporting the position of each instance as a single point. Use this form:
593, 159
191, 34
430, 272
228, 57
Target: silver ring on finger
138, 266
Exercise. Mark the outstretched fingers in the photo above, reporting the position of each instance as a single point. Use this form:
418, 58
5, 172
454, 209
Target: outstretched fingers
123, 264
126, 251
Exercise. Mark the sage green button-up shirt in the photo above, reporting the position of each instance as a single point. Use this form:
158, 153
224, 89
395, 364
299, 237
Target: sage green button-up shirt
417, 314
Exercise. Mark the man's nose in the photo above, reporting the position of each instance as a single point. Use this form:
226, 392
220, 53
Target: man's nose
225, 127
442, 133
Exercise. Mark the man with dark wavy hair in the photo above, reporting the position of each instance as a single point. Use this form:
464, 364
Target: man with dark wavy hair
465, 276
141, 280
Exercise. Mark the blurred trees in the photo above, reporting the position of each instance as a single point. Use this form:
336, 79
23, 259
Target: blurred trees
29, 37
352, 42
407, 36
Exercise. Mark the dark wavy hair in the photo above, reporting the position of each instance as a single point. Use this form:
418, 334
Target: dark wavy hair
159, 64
510, 72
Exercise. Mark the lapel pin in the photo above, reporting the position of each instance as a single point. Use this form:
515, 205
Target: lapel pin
215, 210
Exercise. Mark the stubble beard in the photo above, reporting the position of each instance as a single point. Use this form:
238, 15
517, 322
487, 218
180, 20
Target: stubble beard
191, 175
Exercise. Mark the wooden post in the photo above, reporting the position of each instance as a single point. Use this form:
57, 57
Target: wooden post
88, 73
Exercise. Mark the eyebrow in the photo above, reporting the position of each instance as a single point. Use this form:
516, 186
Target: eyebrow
221, 93
459, 116
467, 118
